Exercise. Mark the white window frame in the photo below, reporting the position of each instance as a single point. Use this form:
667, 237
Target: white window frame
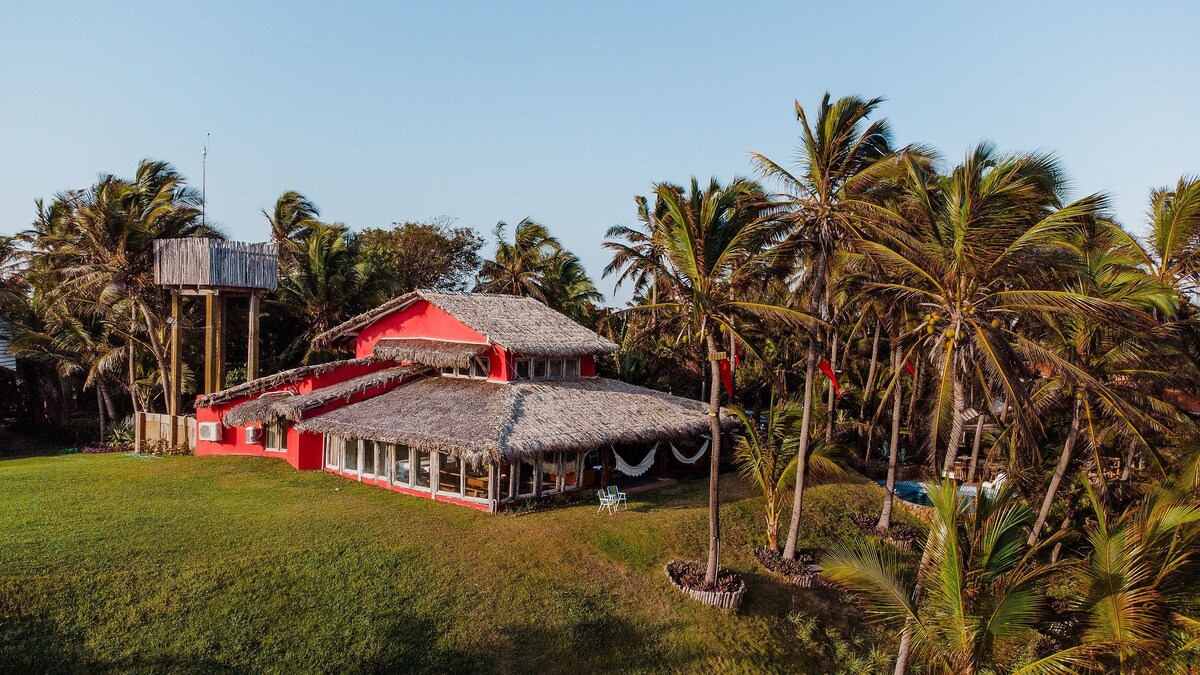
484, 364
332, 444
414, 470
279, 427
568, 371
362, 455
352, 443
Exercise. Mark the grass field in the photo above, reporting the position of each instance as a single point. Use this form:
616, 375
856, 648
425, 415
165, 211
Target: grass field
228, 564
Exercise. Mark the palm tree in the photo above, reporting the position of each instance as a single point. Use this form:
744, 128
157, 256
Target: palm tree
716, 250
328, 283
975, 601
519, 266
975, 249
843, 158
292, 221
1175, 233
766, 455
1135, 589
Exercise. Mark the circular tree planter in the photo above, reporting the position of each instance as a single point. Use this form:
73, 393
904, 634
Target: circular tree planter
903, 537
688, 577
804, 571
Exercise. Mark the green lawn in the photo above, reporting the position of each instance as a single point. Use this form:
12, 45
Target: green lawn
113, 563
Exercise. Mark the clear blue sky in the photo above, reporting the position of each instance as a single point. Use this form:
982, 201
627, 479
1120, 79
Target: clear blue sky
488, 112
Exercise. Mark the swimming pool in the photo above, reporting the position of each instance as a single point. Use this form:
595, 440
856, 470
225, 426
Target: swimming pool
914, 492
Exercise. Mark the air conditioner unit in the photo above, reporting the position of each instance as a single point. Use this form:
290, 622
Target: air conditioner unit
209, 431
253, 435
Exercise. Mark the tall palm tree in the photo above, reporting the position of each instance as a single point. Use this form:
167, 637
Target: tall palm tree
536, 265
1175, 233
975, 601
843, 158
292, 221
716, 250
975, 249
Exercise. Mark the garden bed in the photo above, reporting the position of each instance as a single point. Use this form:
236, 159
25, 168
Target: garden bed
803, 571
688, 577
903, 537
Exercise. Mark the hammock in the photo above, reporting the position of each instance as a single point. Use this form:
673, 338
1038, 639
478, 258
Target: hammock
694, 458
634, 471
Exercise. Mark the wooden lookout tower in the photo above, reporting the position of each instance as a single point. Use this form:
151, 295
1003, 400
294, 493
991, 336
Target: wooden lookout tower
215, 269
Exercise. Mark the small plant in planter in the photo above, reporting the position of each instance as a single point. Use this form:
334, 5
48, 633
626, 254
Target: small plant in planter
903, 537
688, 576
803, 571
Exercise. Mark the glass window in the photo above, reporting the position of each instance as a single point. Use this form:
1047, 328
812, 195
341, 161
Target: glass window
421, 463
401, 465
481, 367
475, 481
539, 369
368, 458
505, 480
522, 369
571, 369
331, 452
448, 370
550, 471
276, 436
556, 368
570, 477
350, 456
449, 474
525, 477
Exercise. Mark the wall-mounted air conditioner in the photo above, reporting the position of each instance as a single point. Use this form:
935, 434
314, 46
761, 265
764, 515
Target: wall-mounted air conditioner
253, 435
209, 431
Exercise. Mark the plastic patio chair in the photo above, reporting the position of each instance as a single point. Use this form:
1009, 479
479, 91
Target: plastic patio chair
606, 502
618, 497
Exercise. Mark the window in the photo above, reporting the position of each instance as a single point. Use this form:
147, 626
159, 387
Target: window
449, 474
481, 367
522, 369
527, 472
539, 369
333, 451
277, 436
475, 481
571, 368
421, 462
350, 456
555, 367
368, 458
448, 370
550, 471
401, 466
505, 481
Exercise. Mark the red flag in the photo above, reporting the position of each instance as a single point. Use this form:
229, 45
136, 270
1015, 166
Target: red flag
825, 368
909, 368
727, 376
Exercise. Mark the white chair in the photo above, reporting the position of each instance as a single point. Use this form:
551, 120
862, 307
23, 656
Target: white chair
618, 497
991, 486
607, 501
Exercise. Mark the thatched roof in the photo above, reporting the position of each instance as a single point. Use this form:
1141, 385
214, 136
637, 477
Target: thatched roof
521, 325
259, 385
438, 353
484, 421
292, 407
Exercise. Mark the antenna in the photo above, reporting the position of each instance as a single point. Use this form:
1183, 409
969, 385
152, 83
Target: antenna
204, 180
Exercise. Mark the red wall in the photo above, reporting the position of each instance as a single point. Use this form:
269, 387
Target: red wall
419, 320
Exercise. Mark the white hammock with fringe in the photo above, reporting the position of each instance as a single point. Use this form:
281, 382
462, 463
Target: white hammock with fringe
638, 469
694, 458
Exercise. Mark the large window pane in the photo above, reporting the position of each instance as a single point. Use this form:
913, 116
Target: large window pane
549, 473
572, 368
476, 481
421, 462
523, 369
556, 368
401, 466
350, 461
528, 472
449, 474
480, 367
539, 369
332, 451
505, 480
368, 455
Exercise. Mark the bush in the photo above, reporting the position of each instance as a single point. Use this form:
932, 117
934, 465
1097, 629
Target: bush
120, 433
164, 448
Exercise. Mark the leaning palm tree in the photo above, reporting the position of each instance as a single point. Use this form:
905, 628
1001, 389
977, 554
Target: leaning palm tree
843, 158
974, 603
716, 246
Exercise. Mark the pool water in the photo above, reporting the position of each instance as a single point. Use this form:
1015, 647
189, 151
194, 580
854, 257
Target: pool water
914, 492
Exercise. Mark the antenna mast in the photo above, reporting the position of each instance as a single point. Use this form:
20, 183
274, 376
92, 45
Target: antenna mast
204, 181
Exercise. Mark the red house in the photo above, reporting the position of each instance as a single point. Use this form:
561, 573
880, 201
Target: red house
477, 399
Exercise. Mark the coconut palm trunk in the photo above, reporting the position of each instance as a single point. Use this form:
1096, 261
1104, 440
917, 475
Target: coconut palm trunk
789, 549
160, 354
869, 388
1060, 472
714, 467
956, 423
885, 517
975, 444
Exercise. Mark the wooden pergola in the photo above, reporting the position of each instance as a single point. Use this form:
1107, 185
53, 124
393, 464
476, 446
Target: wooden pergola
215, 269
